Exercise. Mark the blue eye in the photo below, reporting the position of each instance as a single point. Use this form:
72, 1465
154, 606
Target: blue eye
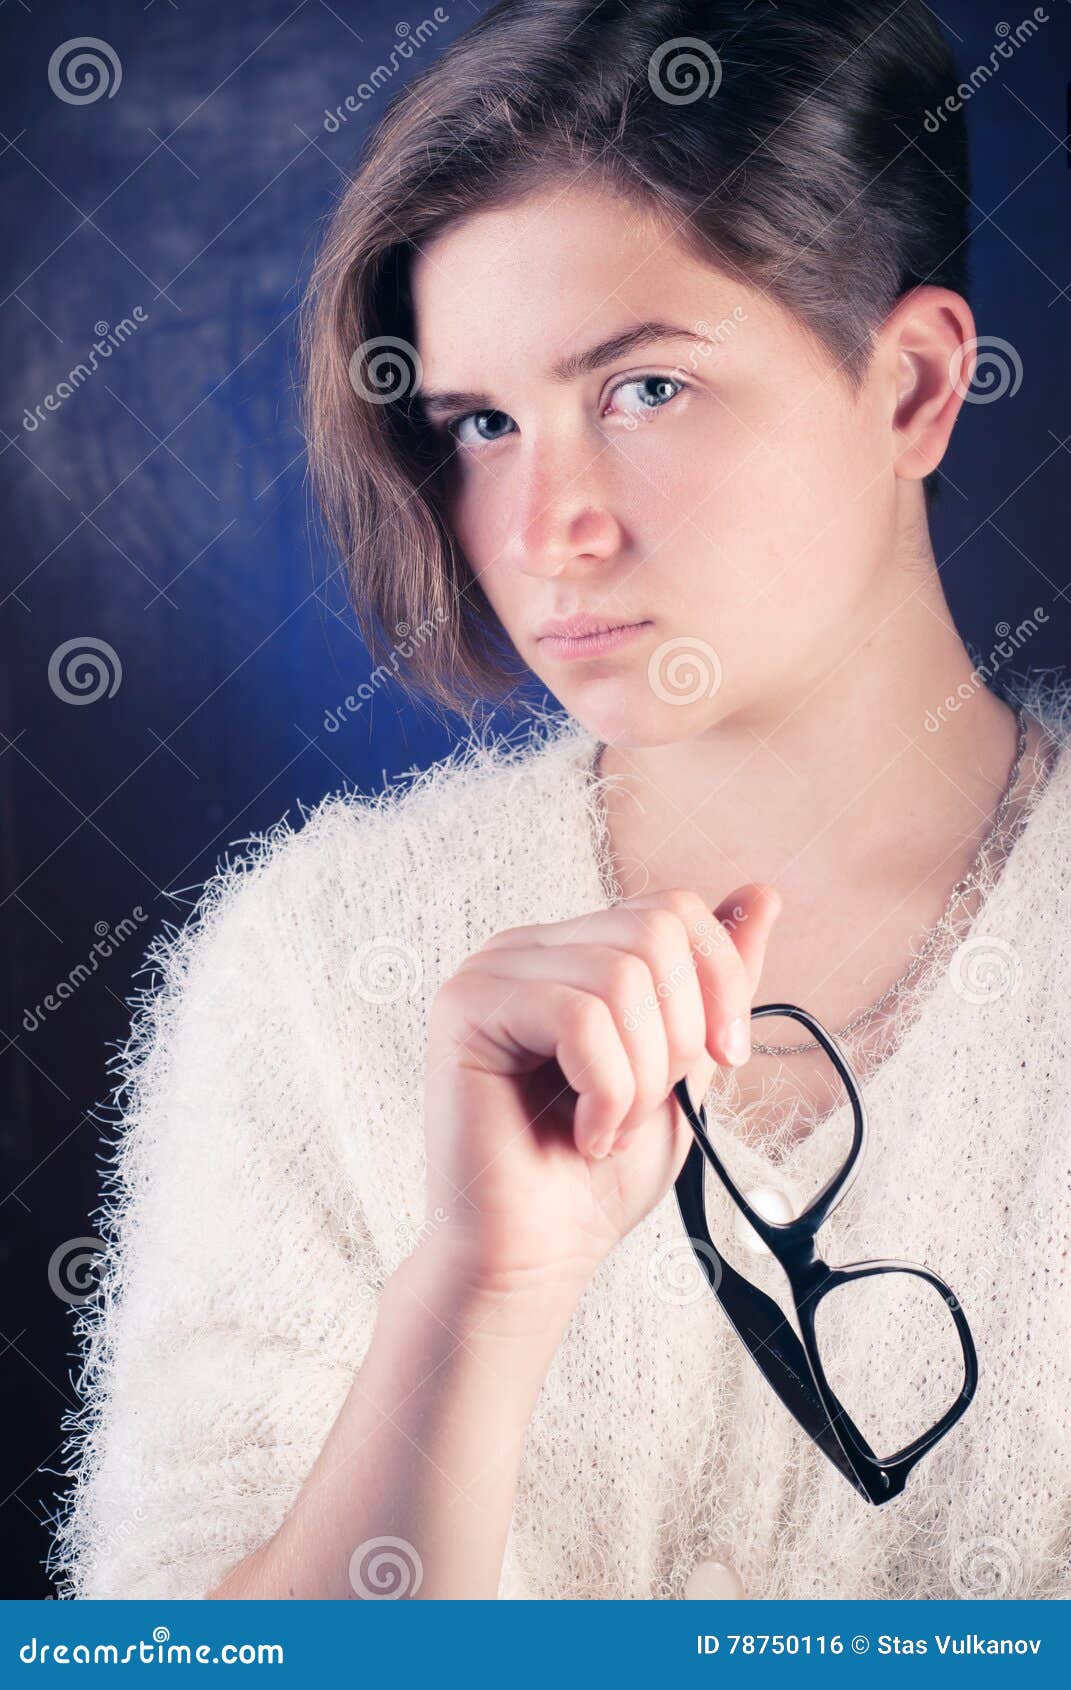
495, 425
649, 401
456, 423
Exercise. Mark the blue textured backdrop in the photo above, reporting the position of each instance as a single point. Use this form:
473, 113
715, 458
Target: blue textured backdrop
161, 508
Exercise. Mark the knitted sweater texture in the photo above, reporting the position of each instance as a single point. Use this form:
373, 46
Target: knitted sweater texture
266, 1177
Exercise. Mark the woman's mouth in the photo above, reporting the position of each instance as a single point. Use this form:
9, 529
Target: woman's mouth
591, 645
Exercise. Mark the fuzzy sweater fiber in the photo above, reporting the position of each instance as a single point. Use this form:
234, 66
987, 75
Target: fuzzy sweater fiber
266, 1177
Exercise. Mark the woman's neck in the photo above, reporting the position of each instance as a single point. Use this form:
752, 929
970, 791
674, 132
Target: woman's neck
859, 793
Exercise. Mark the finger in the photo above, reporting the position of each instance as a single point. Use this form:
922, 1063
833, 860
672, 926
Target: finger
509, 1024
727, 955
723, 979
625, 984
662, 940
748, 915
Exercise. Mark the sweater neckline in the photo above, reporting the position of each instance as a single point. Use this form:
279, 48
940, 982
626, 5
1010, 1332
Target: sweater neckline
926, 1002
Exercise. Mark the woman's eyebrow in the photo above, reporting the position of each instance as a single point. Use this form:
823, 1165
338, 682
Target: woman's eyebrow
565, 369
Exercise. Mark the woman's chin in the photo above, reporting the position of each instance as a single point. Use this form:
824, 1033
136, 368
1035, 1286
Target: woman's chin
631, 725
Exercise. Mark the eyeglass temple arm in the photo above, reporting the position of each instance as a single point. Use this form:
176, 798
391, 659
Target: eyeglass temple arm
761, 1325
776, 1351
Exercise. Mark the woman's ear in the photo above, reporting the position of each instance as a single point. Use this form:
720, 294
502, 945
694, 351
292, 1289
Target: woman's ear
929, 343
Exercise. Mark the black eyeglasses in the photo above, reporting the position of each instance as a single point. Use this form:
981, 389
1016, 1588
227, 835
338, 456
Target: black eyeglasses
794, 1369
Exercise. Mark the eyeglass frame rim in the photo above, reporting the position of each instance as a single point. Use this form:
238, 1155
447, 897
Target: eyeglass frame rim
810, 1277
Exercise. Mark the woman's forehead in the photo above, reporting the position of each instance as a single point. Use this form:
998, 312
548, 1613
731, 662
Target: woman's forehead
532, 287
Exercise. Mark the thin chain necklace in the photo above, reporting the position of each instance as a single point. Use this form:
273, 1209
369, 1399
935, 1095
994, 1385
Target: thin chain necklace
960, 890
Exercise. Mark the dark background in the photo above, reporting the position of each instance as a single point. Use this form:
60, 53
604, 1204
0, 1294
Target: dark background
163, 510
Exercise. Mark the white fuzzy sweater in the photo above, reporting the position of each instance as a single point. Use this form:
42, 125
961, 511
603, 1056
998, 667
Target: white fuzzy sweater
268, 1178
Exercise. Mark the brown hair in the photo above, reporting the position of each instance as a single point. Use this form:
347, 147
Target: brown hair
813, 168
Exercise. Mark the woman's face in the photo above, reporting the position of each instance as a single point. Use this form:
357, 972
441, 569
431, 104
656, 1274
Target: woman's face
718, 482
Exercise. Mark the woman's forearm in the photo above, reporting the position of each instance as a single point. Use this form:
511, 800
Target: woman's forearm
413, 1490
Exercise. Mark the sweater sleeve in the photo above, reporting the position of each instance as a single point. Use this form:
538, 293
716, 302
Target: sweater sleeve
238, 1282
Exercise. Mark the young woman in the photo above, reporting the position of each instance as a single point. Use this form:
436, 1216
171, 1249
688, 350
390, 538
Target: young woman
653, 319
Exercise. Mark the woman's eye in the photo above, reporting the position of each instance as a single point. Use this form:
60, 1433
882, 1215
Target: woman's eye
496, 418
651, 391
485, 427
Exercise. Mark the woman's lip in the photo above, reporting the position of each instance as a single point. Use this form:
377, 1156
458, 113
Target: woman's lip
591, 645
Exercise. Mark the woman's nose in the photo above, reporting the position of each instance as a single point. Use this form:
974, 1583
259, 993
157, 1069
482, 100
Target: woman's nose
564, 510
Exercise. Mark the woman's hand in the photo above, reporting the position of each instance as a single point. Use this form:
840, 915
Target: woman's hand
551, 1123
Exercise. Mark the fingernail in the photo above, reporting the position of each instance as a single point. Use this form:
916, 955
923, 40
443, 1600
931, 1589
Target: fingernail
603, 1145
738, 1041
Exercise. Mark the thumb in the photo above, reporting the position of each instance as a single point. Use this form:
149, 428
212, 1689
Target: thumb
748, 915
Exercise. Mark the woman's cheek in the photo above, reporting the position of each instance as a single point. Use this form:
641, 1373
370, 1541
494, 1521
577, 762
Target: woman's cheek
471, 509
672, 469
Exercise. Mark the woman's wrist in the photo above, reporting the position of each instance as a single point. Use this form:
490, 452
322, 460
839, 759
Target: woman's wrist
523, 1314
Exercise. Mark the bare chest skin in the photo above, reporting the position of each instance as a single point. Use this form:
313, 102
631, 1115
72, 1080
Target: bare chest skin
834, 952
